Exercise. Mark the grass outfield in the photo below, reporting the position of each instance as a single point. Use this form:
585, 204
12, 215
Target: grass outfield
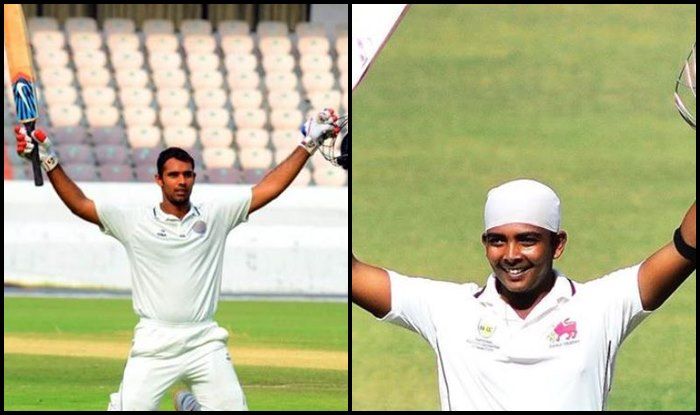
580, 97
52, 382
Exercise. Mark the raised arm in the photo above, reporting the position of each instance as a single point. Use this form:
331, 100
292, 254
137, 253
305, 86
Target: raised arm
371, 288
278, 179
67, 190
663, 272
316, 130
72, 196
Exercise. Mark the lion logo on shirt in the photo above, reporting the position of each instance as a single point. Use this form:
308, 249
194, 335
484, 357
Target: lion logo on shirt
566, 329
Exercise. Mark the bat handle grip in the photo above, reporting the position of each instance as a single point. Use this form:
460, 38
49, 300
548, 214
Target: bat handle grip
36, 167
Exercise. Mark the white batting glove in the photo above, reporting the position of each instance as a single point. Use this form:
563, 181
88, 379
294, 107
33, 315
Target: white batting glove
319, 128
47, 154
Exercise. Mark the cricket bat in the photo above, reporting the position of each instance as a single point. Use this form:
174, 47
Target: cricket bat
19, 61
372, 25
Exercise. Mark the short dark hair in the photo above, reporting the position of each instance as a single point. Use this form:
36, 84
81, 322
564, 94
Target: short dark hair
173, 152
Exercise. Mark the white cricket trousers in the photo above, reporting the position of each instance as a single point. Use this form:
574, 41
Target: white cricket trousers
163, 354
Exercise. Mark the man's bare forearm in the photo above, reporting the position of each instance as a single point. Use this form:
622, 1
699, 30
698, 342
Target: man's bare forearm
279, 178
72, 196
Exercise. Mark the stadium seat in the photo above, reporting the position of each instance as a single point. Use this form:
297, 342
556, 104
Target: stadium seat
93, 96
313, 45
141, 116
116, 173
173, 97
223, 176
255, 158
68, 95
175, 117
110, 154
240, 63
285, 139
184, 137
330, 176
303, 179
284, 100
233, 27
126, 59
246, 99
146, 173
318, 82
145, 156
281, 82
165, 60
169, 78
252, 138
122, 38
108, 135
243, 80
286, 119
75, 153
136, 97
199, 44
203, 62
250, 118
218, 158
70, 135
278, 63
144, 136
326, 99
213, 117
253, 176
215, 137
210, 98
103, 116
81, 172
275, 45
315, 63
236, 43
210, 78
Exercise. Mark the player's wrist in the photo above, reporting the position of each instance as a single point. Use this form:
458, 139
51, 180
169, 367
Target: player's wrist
686, 250
49, 162
310, 146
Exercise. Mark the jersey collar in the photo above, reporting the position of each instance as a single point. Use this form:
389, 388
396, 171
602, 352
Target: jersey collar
158, 214
562, 292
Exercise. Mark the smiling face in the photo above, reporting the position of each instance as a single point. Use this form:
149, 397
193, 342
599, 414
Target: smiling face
521, 256
177, 181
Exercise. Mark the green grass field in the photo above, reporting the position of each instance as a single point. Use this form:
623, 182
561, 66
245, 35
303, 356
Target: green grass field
59, 382
580, 97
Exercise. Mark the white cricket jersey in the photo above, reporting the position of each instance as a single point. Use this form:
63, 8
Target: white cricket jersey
561, 357
175, 264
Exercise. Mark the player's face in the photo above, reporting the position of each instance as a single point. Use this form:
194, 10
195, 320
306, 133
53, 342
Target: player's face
521, 255
177, 181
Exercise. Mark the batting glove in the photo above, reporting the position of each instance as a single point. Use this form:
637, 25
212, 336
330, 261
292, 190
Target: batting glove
318, 129
25, 145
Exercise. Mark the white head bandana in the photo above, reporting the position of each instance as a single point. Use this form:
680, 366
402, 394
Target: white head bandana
522, 201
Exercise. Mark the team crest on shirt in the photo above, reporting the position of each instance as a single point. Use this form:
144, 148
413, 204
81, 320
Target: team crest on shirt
563, 333
483, 339
486, 328
200, 227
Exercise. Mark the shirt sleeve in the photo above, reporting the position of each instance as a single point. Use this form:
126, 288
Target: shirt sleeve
234, 210
619, 293
416, 301
116, 221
